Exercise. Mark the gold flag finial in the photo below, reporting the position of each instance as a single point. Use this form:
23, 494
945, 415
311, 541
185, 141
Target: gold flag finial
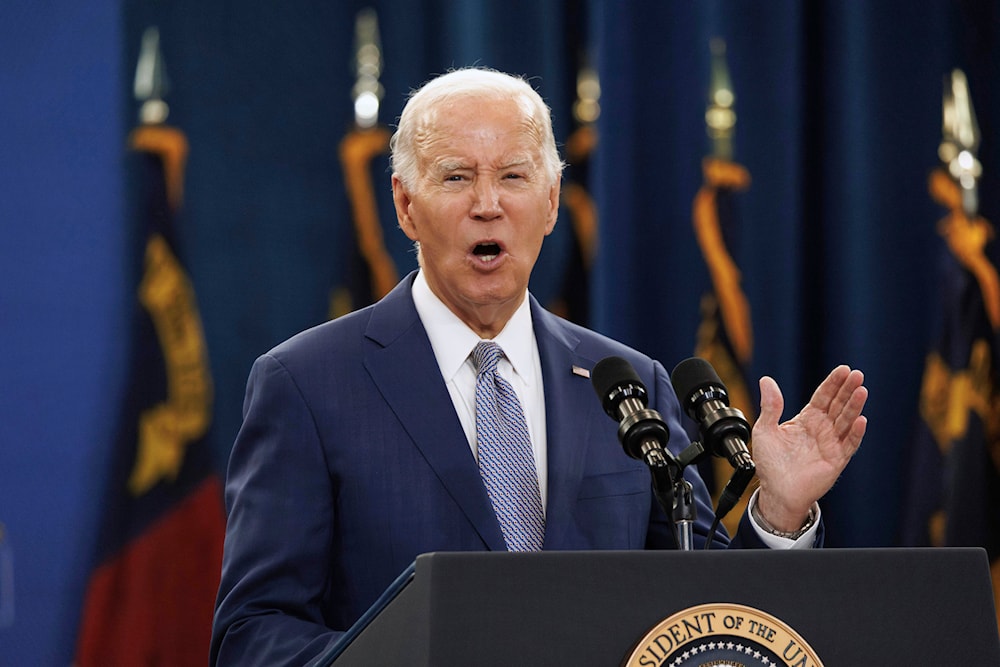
587, 107
720, 116
151, 80
367, 92
960, 140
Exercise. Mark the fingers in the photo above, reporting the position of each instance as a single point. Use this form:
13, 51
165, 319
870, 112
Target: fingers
829, 388
850, 411
840, 398
772, 403
845, 410
845, 407
857, 432
851, 424
837, 391
846, 393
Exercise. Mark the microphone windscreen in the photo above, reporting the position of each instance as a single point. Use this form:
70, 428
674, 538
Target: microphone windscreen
611, 372
691, 375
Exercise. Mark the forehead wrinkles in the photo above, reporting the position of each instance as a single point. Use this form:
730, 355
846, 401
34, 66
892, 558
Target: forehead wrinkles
447, 163
438, 146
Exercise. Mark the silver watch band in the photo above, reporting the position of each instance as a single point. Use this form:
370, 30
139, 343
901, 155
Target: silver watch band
791, 535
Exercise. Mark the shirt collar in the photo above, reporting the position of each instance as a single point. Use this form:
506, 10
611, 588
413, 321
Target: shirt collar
453, 341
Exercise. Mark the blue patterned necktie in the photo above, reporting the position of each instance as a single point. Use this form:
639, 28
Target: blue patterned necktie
506, 462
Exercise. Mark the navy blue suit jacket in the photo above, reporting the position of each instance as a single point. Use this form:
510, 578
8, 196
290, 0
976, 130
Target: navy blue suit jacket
351, 461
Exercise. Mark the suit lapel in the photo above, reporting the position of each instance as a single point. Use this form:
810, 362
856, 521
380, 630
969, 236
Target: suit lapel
568, 423
403, 367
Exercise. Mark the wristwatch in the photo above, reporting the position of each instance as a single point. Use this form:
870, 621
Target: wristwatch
791, 535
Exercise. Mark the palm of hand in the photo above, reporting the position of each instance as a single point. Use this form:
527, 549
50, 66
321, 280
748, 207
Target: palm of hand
799, 460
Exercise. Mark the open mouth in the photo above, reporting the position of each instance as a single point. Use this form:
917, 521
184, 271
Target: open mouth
486, 252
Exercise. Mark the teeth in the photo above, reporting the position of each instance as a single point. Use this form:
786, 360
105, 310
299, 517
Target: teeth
487, 252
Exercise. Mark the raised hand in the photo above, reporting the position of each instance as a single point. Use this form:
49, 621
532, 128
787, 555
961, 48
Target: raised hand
799, 460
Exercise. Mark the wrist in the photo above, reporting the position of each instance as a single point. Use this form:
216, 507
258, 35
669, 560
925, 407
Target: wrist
804, 525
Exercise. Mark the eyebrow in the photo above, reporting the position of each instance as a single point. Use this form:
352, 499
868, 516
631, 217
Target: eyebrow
519, 163
448, 165
445, 166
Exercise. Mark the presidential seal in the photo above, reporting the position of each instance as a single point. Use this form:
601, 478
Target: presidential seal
722, 635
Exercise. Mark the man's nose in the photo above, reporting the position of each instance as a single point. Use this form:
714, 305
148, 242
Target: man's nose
486, 200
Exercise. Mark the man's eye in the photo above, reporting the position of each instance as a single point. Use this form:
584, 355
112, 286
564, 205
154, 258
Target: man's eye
454, 178
513, 176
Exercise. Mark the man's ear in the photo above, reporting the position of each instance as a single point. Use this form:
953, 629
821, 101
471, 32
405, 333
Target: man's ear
401, 200
554, 190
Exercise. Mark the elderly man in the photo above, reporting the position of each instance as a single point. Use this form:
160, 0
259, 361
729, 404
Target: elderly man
448, 415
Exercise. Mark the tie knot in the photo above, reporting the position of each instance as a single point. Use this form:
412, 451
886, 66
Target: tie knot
485, 356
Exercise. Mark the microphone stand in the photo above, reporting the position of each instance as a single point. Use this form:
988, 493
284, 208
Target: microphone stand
684, 510
663, 471
674, 493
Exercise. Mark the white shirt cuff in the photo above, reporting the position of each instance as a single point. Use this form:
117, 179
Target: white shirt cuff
805, 541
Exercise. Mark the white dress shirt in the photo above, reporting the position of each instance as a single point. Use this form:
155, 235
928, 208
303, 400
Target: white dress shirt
453, 341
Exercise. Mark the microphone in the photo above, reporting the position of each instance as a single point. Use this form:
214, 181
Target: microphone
725, 431
641, 430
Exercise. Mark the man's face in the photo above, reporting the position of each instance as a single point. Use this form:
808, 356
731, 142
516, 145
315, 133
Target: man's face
480, 209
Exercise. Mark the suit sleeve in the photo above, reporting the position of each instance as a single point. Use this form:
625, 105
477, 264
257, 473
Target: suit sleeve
279, 502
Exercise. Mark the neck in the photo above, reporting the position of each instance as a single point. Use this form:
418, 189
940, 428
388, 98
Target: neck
489, 321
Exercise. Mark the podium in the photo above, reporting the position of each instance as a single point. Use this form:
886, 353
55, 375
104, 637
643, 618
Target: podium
849, 607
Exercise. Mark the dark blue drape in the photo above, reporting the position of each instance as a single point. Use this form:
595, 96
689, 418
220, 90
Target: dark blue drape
839, 120
839, 116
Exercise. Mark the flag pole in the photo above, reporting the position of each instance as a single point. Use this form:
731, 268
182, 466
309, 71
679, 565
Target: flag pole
367, 140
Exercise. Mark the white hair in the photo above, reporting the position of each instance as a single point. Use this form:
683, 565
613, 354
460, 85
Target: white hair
416, 123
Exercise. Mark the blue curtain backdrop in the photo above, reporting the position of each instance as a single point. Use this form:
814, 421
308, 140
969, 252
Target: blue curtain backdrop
839, 120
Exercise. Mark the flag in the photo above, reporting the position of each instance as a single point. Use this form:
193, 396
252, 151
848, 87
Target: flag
572, 300
725, 335
371, 272
150, 598
954, 479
